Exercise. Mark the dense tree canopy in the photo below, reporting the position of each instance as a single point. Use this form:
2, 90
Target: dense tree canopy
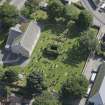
8, 15
70, 12
55, 9
89, 40
46, 99
39, 15
32, 5
35, 83
85, 19
74, 88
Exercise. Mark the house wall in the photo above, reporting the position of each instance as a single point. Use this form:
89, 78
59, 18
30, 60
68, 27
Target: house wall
17, 49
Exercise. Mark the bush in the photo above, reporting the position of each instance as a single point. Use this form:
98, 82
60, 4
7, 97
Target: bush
39, 15
10, 76
51, 51
55, 9
73, 88
85, 20
71, 12
46, 99
35, 83
8, 15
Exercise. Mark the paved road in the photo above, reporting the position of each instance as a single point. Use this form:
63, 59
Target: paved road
99, 16
18, 3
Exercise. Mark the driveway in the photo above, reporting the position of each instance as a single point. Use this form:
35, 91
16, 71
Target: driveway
92, 64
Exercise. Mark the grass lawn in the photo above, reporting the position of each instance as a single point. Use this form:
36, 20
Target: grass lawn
69, 61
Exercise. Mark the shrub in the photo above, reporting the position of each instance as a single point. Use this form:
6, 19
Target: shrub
39, 15
10, 76
51, 51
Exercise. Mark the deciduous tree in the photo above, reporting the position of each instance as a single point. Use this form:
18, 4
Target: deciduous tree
85, 20
35, 83
8, 15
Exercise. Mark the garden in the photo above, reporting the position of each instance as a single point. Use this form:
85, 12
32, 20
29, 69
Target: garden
66, 39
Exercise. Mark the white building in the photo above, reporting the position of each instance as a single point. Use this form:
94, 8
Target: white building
23, 38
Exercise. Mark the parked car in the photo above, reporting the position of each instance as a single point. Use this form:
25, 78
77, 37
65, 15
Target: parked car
93, 76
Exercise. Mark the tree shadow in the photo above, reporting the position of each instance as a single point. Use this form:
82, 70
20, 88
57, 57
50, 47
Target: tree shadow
73, 30
76, 55
70, 101
56, 29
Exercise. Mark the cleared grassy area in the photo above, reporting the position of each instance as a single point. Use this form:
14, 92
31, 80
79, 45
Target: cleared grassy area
70, 60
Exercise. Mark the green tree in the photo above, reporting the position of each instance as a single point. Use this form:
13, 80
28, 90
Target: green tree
39, 15
35, 83
25, 12
85, 20
8, 15
89, 40
32, 5
73, 88
55, 9
46, 99
10, 76
71, 12
70, 28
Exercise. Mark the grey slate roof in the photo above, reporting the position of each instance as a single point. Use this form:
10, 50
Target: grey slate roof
102, 91
23, 39
30, 37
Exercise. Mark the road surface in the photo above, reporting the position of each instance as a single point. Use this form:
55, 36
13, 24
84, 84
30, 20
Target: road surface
99, 16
